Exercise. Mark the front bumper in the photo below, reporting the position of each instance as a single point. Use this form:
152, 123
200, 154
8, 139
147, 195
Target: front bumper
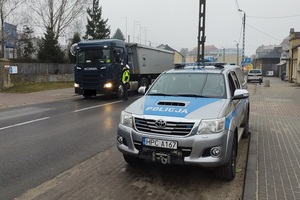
97, 90
254, 78
192, 149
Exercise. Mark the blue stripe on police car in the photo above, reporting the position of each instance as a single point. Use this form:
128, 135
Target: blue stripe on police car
151, 106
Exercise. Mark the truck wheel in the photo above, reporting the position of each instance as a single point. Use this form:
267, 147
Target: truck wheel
120, 92
227, 171
133, 161
144, 82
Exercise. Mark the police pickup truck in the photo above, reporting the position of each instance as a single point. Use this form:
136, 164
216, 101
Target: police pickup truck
190, 115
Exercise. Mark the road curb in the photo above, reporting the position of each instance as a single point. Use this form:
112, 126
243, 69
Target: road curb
251, 172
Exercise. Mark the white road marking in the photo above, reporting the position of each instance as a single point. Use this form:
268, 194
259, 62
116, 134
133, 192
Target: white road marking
92, 107
23, 123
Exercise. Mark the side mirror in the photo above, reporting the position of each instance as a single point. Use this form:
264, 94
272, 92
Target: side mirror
142, 90
73, 49
240, 94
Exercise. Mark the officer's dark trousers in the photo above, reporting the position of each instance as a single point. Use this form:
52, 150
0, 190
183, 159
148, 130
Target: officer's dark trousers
125, 86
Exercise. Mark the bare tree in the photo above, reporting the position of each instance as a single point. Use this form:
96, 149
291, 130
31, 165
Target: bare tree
57, 14
6, 8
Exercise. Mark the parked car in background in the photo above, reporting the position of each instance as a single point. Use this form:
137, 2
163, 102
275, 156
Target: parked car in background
255, 75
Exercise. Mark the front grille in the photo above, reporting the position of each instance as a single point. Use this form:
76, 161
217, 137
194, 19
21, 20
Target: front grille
91, 79
171, 128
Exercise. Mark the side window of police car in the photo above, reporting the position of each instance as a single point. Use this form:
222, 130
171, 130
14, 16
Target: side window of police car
233, 82
241, 78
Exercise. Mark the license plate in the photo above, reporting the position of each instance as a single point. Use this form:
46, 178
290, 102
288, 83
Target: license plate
160, 143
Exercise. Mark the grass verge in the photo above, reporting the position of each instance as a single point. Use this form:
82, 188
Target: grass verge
37, 87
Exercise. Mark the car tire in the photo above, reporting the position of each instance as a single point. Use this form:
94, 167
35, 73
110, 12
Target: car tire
133, 161
227, 172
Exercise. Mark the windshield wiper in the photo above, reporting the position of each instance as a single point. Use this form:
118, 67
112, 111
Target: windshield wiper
160, 94
191, 95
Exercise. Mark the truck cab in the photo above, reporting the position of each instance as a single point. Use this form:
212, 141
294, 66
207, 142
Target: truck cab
98, 67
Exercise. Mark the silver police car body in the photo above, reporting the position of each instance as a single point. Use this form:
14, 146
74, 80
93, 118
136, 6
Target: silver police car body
190, 115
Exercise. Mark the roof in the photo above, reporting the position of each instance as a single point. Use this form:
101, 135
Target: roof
207, 49
167, 47
269, 51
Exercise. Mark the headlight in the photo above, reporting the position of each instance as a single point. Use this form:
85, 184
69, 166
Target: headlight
126, 119
76, 85
211, 126
107, 85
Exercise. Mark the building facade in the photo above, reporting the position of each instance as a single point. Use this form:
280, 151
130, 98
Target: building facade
293, 60
225, 55
267, 59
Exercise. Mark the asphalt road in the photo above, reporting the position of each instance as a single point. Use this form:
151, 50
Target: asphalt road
50, 142
37, 142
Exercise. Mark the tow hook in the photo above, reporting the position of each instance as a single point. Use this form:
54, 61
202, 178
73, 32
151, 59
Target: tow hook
164, 158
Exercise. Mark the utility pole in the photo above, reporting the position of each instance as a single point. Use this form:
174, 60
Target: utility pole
244, 25
237, 54
201, 31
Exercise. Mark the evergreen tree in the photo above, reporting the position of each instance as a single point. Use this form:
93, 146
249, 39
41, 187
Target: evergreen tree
96, 27
118, 35
26, 48
76, 38
49, 49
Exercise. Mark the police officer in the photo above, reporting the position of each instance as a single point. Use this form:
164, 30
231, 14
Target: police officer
125, 81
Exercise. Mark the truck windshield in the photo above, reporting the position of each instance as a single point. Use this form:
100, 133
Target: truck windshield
93, 56
193, 85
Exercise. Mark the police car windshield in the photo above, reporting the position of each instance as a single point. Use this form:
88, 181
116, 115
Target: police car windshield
190, 84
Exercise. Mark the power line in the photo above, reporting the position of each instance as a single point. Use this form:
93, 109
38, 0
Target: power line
263, 32
237, 5
274, 17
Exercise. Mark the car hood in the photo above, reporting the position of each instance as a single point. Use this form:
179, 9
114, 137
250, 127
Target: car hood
183, 107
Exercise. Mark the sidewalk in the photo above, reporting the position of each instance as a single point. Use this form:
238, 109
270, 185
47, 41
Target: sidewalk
11, 99
273, 170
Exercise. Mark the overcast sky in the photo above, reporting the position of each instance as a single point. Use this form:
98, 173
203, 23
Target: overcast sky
175, 22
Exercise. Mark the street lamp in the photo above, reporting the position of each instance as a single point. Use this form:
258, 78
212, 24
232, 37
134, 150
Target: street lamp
139, 38
126, 29
223, 53
134, 24
237, 53
244, 24
145, 29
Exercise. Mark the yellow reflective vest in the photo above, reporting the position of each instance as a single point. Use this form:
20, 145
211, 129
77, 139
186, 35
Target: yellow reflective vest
125, 76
